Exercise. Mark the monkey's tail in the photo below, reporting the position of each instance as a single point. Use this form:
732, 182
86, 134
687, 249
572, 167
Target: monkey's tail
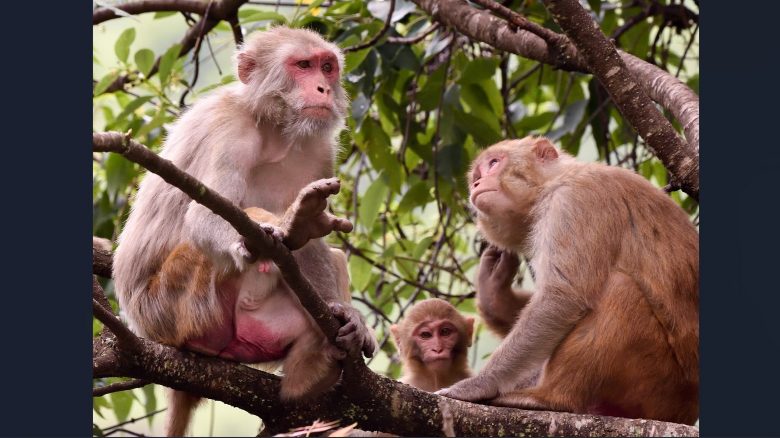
180, 407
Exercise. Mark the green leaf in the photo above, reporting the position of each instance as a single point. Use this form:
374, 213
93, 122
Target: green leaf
483, 133
98, 403
122, 402
166, 63
479, 70
144, 59
156, 122
122, 45
263, 16
417, 195
132, 106
163, 14
353, 60
104, 82
150, 404
359, 272
371, 200
119, 173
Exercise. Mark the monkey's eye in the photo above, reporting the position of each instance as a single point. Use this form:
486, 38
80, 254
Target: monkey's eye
446, 331
426, 335
304, 63
492, 163
327, 68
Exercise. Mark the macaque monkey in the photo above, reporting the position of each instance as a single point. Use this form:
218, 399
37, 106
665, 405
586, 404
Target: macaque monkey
433, 340
184, 276
614, 323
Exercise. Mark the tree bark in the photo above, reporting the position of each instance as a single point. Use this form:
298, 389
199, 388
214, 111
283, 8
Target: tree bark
636, 106
661, 86
373, 401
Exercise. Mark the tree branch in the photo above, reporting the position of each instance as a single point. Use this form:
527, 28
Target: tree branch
373, 401
119, 386
379, 34
661, 86
102, 14
220, 10
636, 106
102, 262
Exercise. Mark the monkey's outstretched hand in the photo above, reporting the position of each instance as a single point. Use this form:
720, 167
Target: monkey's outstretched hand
353, 336
307, 217
473, 389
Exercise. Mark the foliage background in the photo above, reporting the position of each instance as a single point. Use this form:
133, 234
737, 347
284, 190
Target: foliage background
420, 112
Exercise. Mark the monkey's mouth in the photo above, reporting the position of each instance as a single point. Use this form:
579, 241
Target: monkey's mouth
476, 194
317, 111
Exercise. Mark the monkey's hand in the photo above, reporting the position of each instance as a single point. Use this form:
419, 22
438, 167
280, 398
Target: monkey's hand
497, 269
473, 389
307, 217
353, 336
241, 255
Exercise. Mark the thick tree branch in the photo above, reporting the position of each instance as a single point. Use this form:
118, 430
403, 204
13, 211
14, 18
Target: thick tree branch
662, 87
636, 106
373, 401
101, 259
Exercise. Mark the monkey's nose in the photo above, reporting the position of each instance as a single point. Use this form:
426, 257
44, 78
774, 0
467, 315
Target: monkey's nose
323, 90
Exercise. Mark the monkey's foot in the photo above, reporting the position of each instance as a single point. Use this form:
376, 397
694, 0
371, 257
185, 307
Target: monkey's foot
308, 219
353, 336
473, 389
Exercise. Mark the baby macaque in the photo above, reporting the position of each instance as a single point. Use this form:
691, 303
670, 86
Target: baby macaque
614, 323
184, 276
433, 340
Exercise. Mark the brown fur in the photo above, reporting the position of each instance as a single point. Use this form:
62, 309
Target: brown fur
416, 373
613, 325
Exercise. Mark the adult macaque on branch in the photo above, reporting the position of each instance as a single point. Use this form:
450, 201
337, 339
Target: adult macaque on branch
263, 142
433, 340
614, 323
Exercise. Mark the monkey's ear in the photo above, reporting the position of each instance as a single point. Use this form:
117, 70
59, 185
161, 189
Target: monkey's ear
545, 150
469, 330
245, 66
396, 336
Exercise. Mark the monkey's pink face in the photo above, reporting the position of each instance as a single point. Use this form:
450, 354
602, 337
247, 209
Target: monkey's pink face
436, 341
487, 193
316, 74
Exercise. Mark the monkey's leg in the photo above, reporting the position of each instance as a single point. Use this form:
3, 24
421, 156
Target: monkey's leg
180, 407
311, 366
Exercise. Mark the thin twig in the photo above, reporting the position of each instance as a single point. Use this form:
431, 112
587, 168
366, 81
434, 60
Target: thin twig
123, 335
414, 39
119, 386
379, 35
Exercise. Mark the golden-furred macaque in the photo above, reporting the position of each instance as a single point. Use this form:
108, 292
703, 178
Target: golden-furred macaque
614, 323
433, 340
184, 276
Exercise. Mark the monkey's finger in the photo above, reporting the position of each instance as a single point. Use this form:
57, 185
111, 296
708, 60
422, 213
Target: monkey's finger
369, 347
340, 224
346, 329
508, 263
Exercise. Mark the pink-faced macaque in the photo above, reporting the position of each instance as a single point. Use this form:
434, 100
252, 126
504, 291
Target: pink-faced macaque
184, 276
433, 341
613, 326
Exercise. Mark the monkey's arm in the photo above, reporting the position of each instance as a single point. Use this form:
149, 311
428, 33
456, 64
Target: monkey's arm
212, 234
548, 318
498, 304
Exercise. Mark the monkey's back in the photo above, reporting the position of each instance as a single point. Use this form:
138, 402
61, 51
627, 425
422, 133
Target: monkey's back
156, 221
639, 253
